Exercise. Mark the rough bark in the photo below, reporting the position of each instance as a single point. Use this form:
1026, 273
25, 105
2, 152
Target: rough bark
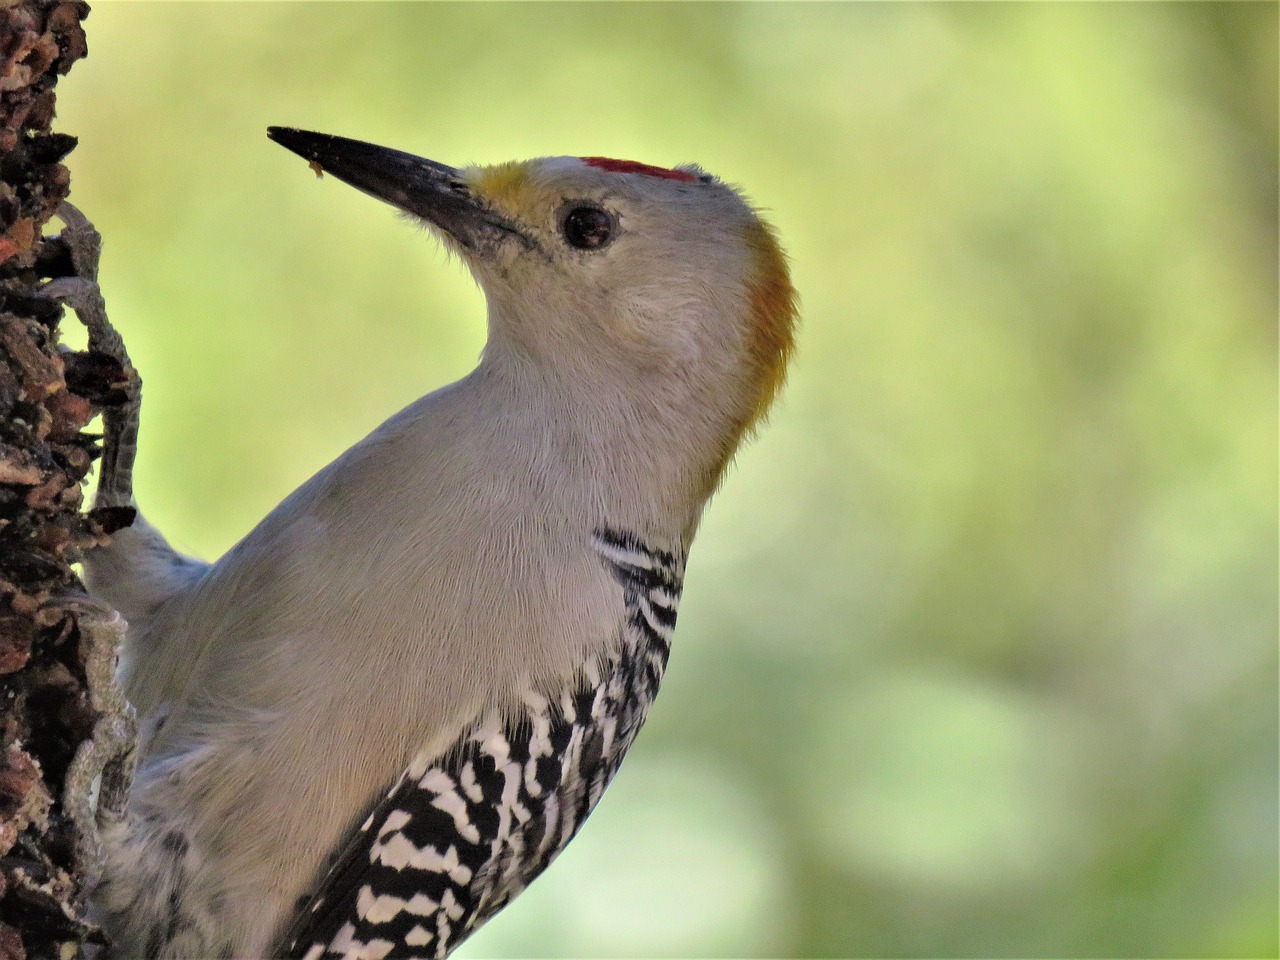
61, 719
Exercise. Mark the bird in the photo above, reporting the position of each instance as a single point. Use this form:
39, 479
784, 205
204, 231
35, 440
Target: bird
381, 714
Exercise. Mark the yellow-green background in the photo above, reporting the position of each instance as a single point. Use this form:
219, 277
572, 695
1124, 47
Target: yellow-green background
978, 649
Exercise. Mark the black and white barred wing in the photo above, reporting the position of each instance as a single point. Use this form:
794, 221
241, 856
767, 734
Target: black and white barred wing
460, 835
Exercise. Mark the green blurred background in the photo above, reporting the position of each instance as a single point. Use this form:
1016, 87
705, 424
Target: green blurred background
978, 653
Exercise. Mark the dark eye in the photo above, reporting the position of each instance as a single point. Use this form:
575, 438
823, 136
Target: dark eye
587, 228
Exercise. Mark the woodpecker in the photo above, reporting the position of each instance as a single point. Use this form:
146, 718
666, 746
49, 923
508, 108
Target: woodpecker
379, 716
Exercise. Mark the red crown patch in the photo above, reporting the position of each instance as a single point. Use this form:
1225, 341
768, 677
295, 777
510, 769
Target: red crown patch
631, 166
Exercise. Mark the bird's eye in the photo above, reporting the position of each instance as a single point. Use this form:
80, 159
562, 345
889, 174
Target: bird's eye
587, 228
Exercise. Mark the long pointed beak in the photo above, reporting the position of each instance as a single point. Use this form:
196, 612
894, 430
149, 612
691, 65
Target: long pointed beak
433, 191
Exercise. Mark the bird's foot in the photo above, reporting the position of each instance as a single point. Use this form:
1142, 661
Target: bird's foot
120, 416
98, 779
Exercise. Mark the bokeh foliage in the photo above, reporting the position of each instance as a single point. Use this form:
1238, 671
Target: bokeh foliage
978, 650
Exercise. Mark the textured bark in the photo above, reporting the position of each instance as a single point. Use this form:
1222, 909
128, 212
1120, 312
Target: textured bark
61, 719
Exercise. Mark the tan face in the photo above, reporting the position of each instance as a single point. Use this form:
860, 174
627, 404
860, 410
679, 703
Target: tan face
670, 268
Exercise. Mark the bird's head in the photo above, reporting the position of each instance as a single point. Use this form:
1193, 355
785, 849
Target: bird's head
660, 287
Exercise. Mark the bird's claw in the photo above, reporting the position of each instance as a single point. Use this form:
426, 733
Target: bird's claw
81, 293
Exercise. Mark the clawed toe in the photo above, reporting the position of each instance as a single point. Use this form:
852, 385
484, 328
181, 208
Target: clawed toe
81, 293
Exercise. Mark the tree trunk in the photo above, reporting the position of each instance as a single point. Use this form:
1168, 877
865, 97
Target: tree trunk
61, 718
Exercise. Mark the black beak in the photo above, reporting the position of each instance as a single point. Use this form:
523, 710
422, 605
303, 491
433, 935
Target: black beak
423, 188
